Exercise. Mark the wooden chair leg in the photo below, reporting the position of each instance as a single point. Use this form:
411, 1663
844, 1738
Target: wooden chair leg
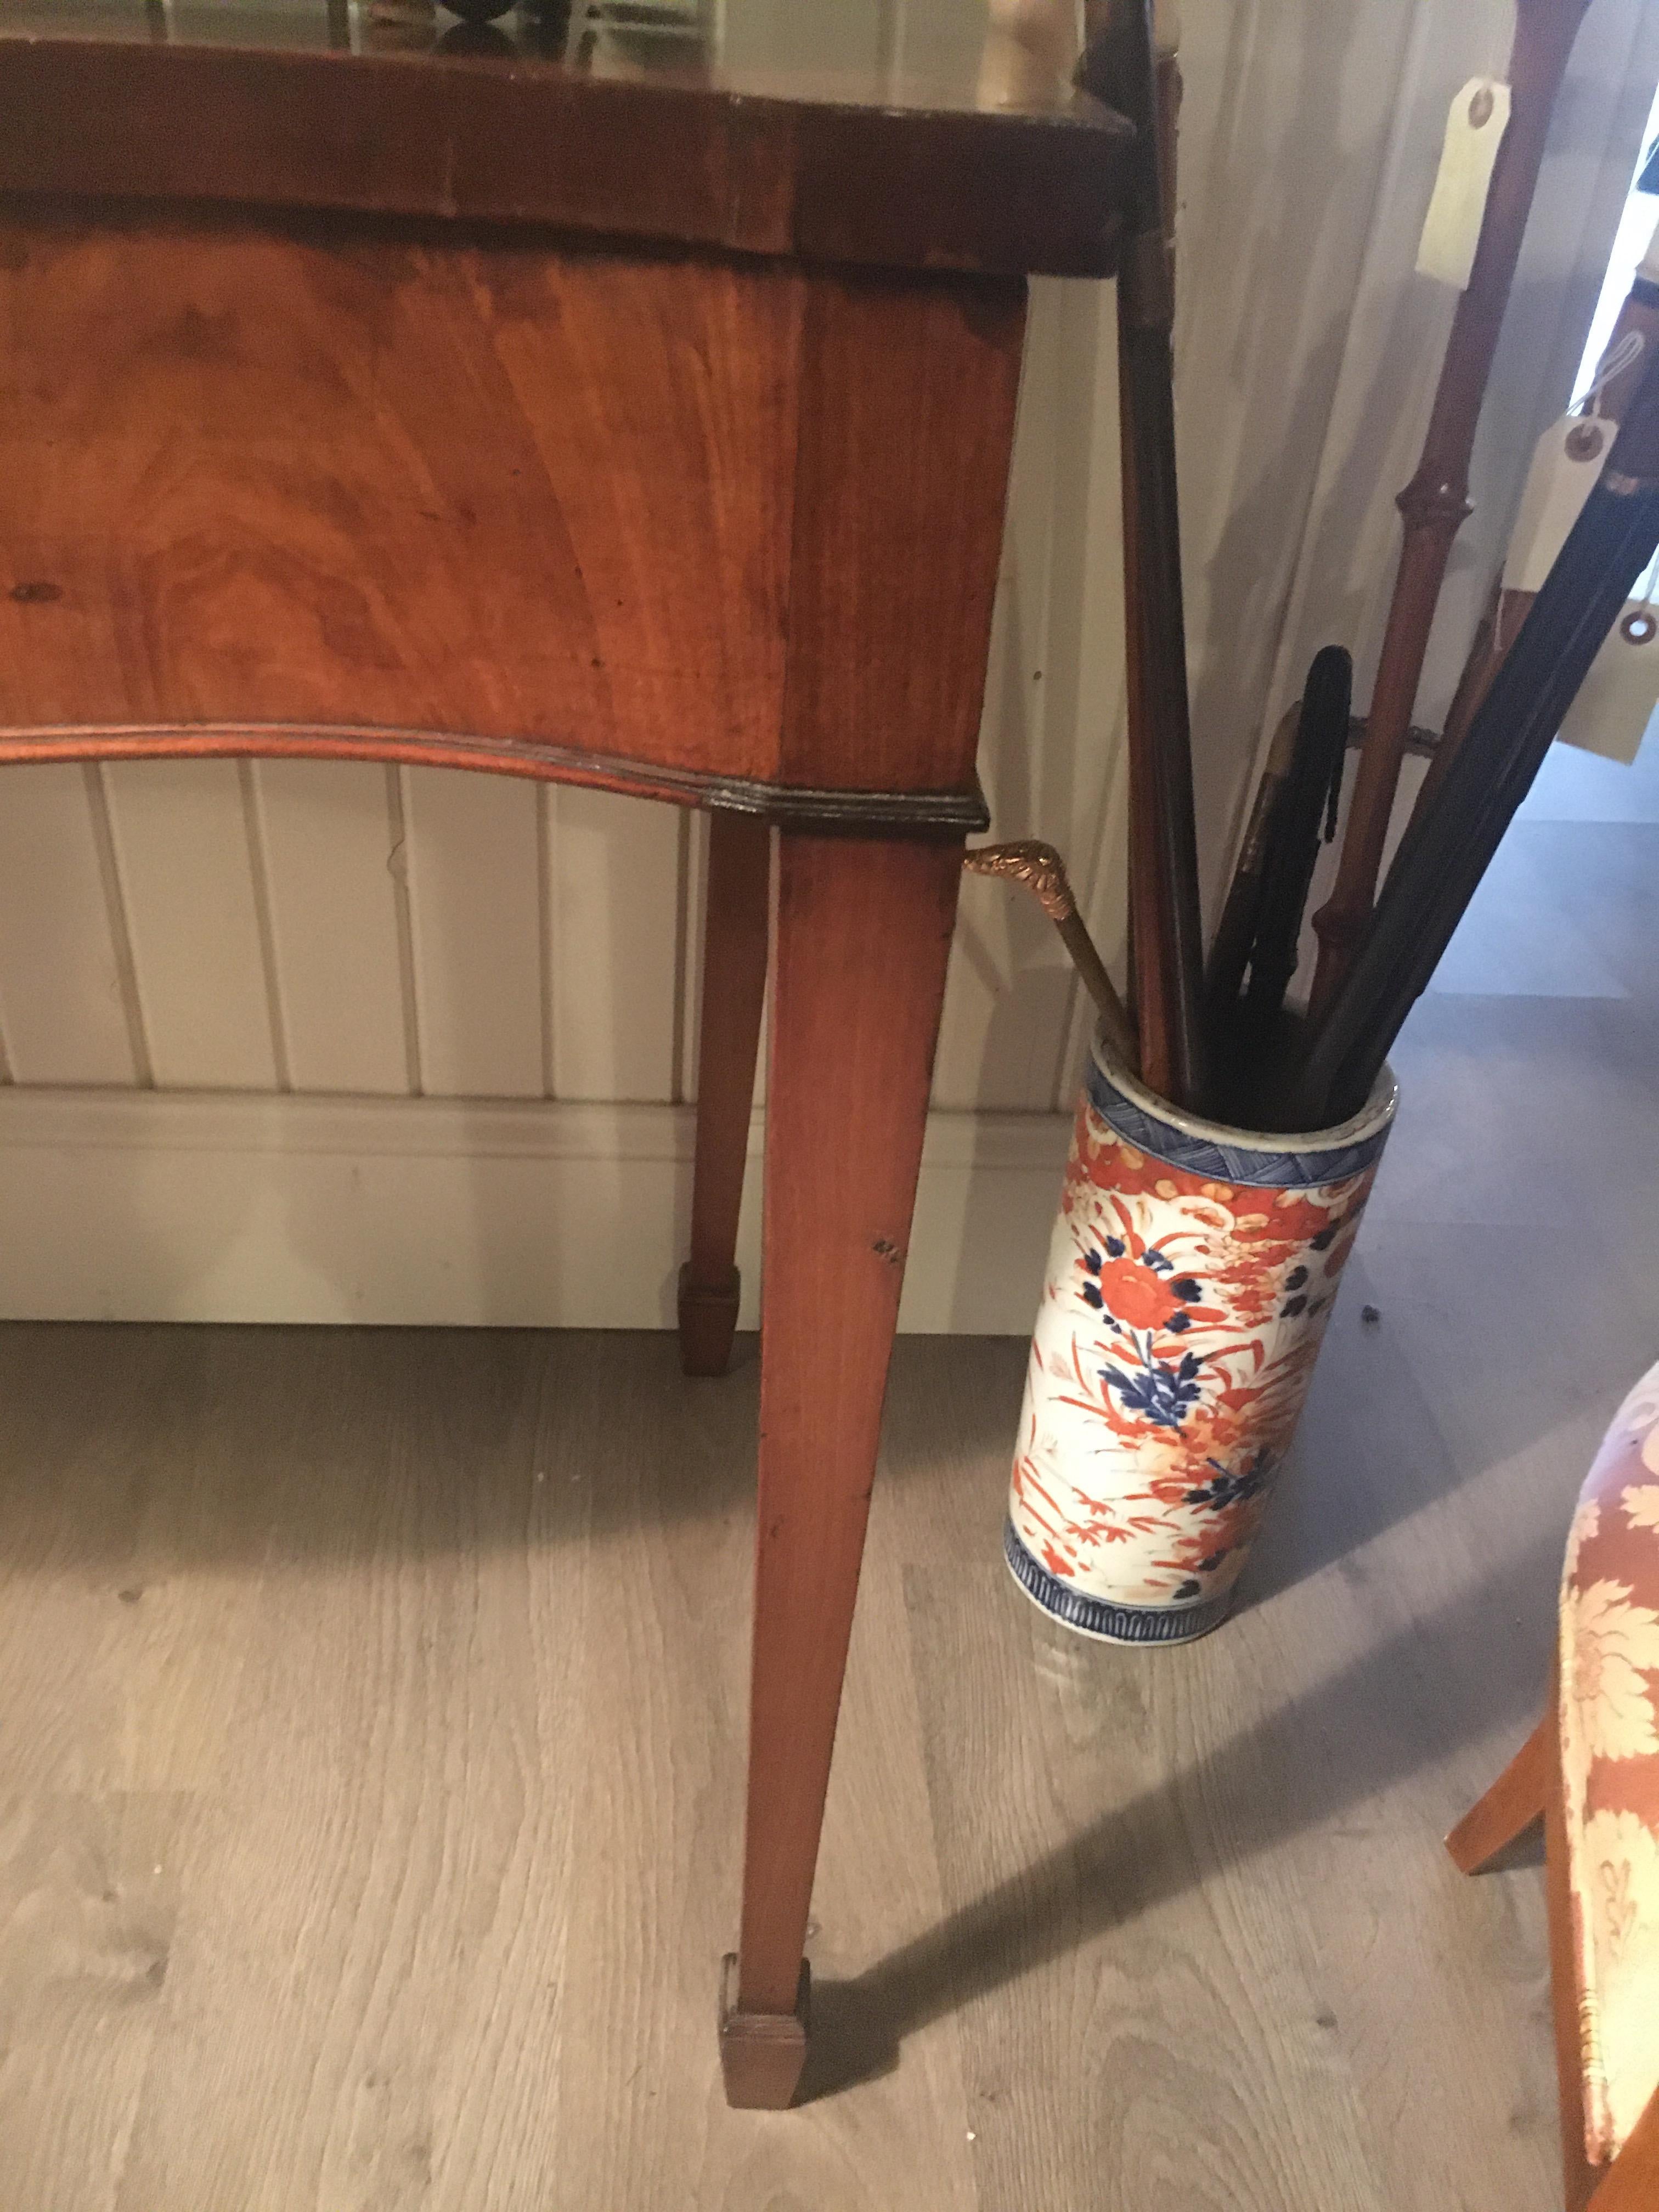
1515, 1800
1579, 2177
1631, 2182
1530, 1784
733, 990
863, 934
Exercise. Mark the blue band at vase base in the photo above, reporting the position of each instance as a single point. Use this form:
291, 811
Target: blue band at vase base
1101, 1617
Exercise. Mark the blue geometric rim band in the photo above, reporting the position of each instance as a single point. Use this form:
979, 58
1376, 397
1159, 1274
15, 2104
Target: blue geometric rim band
1097, 1616
1150, 1133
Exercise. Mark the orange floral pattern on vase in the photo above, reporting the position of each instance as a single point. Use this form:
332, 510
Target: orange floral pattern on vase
1189, 1281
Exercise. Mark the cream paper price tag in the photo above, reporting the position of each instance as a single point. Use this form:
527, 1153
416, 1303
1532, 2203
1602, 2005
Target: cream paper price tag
1475, 130
1568, 458
1617, 699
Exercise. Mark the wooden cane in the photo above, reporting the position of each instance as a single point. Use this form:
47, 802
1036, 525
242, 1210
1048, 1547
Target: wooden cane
1435, 502
1119, 65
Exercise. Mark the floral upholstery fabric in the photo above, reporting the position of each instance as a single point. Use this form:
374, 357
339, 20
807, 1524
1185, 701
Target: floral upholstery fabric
1610, 1767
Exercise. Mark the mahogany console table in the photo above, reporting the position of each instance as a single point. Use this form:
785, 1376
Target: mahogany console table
620, 406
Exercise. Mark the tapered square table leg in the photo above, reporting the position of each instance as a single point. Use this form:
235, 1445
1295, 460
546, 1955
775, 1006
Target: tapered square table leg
862, 937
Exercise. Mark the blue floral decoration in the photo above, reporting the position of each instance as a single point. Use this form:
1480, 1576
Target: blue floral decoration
1226, 1489
1162, 1394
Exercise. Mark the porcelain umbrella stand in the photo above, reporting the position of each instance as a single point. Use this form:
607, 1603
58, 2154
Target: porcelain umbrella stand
1191, 1276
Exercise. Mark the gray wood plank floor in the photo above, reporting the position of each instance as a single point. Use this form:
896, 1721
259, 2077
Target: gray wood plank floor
372, 1722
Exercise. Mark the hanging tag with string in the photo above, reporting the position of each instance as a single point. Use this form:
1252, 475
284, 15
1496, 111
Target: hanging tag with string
1566, 462
1617, 699
1622, 689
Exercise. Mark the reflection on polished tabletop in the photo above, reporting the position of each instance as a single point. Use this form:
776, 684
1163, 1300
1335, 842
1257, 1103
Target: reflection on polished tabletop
920, 54
907, 132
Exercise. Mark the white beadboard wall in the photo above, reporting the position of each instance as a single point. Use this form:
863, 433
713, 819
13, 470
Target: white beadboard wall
305, 1041
313, 1042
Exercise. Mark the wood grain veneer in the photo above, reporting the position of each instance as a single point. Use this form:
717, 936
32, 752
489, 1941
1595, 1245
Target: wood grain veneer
341, 487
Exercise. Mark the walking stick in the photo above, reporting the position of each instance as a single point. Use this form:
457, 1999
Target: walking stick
1435, 502
1120, 66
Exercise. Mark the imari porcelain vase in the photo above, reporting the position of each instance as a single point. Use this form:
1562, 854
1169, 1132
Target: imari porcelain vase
1190, 1278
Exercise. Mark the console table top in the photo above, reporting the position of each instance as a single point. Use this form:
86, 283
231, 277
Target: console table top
911, 134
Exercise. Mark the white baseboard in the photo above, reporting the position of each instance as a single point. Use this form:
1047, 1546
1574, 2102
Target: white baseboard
146, 1206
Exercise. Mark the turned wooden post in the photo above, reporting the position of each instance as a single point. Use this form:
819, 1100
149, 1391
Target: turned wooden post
1435, 502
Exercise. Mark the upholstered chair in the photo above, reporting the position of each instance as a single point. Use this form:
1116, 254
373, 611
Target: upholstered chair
1591, 1768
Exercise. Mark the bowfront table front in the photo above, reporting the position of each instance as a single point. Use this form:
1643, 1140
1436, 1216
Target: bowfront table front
621, 402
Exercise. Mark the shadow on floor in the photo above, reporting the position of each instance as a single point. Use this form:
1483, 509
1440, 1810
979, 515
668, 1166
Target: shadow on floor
1323, 1753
